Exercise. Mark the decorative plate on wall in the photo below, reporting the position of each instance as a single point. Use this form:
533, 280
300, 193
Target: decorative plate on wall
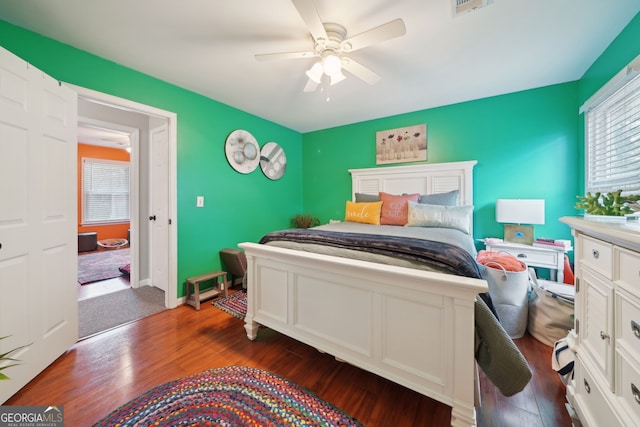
242, 151
273, 161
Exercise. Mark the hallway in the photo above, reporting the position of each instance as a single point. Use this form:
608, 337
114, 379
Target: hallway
92, 290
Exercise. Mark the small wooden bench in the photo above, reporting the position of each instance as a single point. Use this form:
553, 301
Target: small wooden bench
194, 298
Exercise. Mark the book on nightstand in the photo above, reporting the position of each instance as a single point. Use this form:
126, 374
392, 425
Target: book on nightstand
543, 242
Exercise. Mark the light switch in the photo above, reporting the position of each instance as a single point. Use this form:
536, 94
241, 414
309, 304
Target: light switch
200, 201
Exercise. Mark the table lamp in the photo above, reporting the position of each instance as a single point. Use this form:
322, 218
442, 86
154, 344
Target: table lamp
515, 212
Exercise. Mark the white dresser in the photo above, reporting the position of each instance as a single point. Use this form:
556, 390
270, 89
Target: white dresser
605, 390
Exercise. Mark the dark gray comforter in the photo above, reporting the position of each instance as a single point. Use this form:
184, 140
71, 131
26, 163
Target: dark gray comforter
441, 256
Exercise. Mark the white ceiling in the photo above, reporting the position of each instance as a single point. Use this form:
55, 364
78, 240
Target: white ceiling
208, 46
104, 137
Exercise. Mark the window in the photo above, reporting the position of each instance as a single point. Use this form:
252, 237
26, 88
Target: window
612, 134
105, 191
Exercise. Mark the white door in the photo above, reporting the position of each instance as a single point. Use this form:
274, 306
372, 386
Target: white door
38, 226
159, 206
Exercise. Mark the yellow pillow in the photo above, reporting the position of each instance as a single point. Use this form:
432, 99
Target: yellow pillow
366, 213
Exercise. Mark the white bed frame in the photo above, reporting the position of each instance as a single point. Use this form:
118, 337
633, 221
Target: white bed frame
413, 327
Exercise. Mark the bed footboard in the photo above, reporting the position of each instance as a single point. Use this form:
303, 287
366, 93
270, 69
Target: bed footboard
413, 327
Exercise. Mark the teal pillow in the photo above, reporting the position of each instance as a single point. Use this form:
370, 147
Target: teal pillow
449, 198
457, 217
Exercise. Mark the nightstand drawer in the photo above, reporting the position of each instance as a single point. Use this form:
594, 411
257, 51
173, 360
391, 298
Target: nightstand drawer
596, 255
628, 271
535, 258
530, 255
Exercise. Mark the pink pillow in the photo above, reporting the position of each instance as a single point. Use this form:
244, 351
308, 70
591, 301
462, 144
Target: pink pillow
395, 209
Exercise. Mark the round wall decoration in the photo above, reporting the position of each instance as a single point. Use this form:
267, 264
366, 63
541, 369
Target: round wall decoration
242, 151
273, 161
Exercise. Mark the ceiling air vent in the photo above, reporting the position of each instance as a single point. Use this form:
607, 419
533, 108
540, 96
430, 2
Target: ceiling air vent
460, 7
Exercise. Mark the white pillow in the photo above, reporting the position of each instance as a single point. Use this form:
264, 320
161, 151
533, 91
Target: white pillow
458, 217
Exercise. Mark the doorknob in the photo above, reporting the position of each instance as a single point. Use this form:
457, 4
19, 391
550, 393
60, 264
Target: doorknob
152, 218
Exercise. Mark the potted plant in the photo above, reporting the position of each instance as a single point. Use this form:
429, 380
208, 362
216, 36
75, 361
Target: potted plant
4, 357
304, 221
612, 204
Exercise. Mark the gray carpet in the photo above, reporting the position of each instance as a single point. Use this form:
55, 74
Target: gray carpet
117, 308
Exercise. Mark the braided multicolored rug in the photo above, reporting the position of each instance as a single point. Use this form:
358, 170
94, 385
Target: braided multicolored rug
232, 396
235, 304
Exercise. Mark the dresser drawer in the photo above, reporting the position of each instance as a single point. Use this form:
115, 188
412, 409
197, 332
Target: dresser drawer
628, 321
597, 323
628, 390
593, 407
628, 271
596, 255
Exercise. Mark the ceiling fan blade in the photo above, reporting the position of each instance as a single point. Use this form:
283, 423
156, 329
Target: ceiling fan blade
390, 30
309, 13
360, 71
284, 55
311, 86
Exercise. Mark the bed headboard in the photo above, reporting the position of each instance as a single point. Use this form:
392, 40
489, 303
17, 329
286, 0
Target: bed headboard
423, 178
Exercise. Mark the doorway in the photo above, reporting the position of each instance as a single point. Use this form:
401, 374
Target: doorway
141, 122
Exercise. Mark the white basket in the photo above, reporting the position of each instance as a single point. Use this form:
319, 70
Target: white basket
509, 292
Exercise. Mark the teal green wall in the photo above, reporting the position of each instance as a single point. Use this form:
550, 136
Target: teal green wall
618, 54
524, 142
235, 204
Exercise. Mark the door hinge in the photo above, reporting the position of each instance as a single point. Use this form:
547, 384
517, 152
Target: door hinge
577, 284
169, 221
577, 326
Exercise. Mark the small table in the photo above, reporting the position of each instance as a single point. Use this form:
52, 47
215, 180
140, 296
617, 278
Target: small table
197, 296
535, 256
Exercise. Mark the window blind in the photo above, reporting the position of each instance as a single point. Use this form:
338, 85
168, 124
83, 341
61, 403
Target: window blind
613, 141
105, 191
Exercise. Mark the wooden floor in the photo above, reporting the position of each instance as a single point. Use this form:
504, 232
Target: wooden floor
103, 372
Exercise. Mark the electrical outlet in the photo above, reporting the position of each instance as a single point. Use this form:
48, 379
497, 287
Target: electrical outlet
200, 201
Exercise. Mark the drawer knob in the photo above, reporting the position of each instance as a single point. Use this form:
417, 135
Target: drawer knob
587, 386
604, 336
595, 253
635, 327
521, 255
636, 393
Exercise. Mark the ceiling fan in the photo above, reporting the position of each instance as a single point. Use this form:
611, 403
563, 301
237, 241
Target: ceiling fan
331, 46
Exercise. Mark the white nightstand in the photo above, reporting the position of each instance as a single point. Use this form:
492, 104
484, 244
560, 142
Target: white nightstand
535, 256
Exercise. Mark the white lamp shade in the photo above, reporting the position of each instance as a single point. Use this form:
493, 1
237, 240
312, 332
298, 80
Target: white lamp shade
315, 72
520, 211
331, 64
337, 78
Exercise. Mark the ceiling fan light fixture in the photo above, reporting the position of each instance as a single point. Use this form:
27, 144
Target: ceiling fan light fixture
337, 78
332, 64
315, 72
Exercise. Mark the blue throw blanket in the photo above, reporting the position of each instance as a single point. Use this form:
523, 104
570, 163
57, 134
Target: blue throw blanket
444, 256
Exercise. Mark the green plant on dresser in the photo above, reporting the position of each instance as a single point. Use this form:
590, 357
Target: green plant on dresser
611, 204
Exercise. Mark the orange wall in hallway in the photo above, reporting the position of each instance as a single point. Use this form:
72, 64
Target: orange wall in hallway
107, 231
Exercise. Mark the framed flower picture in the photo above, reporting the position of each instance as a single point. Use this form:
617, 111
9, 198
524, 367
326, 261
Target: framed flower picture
401, 145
